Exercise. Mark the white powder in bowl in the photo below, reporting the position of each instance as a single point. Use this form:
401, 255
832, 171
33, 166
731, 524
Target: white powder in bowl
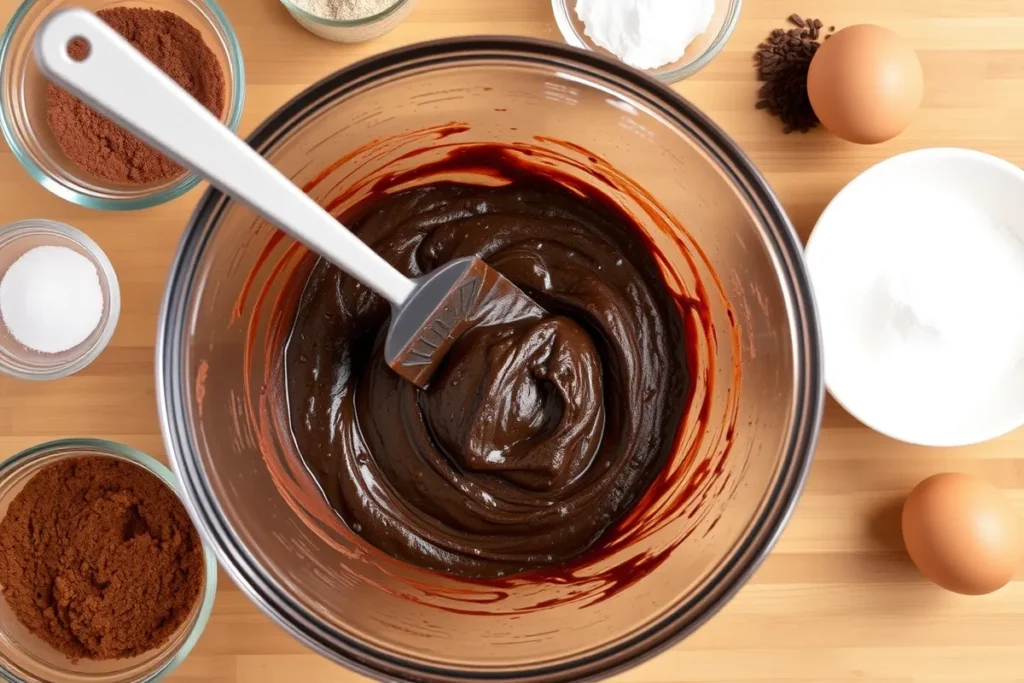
918, 272
645, 34
343, 10
51, 299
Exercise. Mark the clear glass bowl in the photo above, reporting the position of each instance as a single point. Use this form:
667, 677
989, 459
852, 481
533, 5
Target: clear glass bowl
717, 506
700, 52
23, 656
355, 31
23, 103
19, 361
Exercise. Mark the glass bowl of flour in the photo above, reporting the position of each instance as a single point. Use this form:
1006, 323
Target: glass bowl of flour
668, 40
349, 21
59, 300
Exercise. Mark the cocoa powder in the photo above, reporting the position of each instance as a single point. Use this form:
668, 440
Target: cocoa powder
98, 145
99, 559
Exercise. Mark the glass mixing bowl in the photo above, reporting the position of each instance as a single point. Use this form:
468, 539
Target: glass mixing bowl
714, 510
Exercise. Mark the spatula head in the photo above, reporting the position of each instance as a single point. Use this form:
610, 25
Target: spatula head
446, 304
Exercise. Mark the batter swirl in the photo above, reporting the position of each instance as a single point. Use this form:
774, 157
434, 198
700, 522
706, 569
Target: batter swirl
534, 437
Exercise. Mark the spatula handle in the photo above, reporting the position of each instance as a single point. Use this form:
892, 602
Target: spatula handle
118, 81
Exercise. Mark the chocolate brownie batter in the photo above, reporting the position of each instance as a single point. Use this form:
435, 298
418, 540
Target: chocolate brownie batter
534, 437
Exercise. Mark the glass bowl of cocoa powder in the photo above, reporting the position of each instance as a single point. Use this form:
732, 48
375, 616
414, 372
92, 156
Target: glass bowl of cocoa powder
103, 576
83, 157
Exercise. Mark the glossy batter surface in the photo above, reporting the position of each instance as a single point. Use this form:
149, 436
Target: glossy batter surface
533, 438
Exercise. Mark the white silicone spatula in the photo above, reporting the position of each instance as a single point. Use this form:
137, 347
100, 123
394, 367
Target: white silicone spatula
428, 314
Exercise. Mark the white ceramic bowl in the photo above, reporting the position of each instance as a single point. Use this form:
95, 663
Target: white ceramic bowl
920, 255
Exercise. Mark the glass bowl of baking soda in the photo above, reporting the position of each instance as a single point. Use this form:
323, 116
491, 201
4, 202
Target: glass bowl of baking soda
670, 41
59, 300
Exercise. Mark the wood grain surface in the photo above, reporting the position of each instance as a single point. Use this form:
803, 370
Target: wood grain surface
837, 600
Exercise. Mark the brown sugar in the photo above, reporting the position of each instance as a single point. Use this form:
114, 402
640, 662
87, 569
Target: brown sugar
99, 559
100, 146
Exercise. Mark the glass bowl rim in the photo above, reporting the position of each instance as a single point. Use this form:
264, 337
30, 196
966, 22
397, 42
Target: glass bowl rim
103, 447
562, 14
31, 226
187, 181
764, 529
344, 23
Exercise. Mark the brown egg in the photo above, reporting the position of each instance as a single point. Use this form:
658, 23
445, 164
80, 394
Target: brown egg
962, 533
865, 84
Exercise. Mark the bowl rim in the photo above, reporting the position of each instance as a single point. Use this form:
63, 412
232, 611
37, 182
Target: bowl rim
103, 447
862, 410
563, 18
344, 23
748, 553
34, 226
184, 184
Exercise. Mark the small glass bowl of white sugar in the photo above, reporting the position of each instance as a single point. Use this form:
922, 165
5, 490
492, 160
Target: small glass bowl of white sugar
667, 40
59, 300
349, 21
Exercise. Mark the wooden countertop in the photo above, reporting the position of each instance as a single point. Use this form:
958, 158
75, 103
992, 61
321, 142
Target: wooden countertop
837, 600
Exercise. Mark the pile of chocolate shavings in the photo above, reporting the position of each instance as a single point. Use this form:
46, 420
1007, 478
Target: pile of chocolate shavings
782, 62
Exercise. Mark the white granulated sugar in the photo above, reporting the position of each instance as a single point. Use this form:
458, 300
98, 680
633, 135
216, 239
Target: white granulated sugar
344, 10
948, 302
51, 299
645, 34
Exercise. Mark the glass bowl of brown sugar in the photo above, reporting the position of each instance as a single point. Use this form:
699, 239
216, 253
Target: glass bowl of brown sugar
83, 157
103, 576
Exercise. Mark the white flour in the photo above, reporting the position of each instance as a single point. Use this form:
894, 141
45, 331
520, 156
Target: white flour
344, 10
952, 300
645, 34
